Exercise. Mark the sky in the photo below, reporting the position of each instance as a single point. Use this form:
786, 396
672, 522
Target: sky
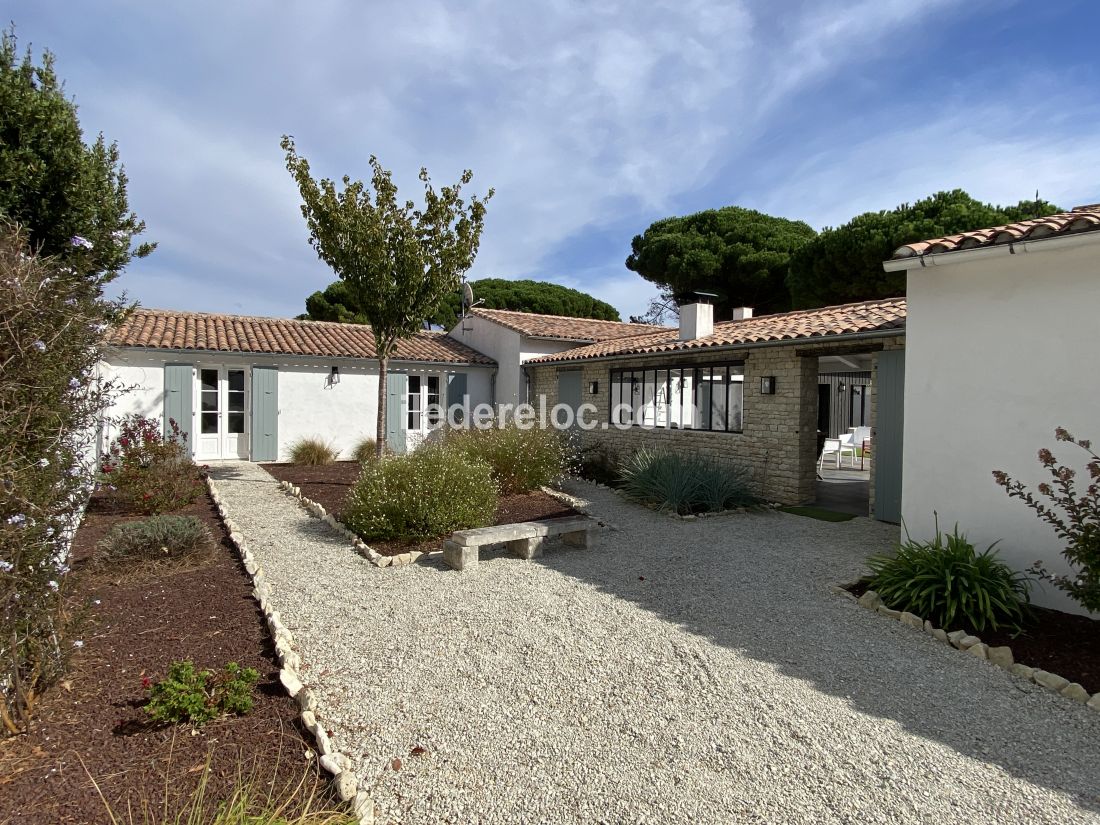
590, 119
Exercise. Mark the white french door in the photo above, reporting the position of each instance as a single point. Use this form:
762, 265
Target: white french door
222, 400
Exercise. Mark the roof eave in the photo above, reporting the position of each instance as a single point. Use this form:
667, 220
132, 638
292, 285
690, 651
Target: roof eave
962, 256
192, 353
799, 341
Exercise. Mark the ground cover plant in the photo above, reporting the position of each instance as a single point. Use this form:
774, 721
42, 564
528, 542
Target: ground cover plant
427, 493
948, 582
152, 470
1075, 516
684, 483
160, 538
312, 452
521, 460
190, 694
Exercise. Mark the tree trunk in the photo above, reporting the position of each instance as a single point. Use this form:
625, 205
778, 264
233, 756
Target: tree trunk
383, 367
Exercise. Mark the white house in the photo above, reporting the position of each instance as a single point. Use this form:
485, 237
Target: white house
514, 338
245, 387
1001, 345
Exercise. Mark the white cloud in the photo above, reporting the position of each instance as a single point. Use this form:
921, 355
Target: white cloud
583, 115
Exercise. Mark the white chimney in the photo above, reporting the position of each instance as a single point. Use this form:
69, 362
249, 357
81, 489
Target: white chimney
742, 313
696, 321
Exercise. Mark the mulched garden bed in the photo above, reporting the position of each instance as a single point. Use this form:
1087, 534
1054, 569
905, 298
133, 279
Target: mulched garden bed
329, 485
1062, 643
93, 724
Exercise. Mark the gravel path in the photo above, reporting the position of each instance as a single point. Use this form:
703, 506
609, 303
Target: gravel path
675, 672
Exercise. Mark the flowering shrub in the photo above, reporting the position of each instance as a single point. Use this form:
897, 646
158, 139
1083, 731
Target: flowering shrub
1075, 517
52, 319
424, 494
522, 460
152, 473
197, 696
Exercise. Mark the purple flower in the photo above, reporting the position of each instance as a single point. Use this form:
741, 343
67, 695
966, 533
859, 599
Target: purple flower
5, 566
74, 384
18, 519
77, 240
39, 345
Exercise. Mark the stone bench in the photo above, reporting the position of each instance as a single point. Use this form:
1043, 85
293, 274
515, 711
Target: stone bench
524, 539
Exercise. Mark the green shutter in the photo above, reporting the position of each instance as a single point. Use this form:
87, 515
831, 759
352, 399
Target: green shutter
396, 384
457, 389
889, 409
265, 414
177, 401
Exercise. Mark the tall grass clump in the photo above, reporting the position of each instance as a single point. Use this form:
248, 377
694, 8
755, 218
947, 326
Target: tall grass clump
684, 484
312, 452
365, 450
949, 583
427, 493
521, 460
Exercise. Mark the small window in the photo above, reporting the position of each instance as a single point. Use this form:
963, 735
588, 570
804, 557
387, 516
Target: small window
434, 410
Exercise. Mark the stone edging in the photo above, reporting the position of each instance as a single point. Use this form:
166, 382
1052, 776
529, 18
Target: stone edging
345, 781
999, 656
361, 547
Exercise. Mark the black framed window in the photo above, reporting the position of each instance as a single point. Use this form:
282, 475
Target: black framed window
710, 397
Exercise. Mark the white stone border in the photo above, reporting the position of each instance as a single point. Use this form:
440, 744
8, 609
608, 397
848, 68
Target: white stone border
332, 760
999, 656
376, 558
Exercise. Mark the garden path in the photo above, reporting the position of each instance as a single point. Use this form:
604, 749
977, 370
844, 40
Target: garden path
698, 671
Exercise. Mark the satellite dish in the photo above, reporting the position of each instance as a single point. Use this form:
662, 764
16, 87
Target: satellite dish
467, 295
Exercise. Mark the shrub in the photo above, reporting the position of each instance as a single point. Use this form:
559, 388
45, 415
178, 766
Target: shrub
521, 459
152, 473
365, 450
312, 451
1075, 517
52, 318
154, 539
950, 584
424, 494
599, 463
684, 483
197, 696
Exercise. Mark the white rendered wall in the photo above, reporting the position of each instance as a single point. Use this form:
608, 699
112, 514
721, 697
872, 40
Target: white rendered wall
998, 352
510, 350
499, 343
341, 414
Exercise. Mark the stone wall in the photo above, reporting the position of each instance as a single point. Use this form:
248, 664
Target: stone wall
778, 444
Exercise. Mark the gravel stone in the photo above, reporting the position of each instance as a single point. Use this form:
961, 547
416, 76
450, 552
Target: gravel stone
700, 673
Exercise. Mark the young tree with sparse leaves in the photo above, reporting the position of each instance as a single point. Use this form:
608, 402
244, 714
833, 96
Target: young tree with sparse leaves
396, 260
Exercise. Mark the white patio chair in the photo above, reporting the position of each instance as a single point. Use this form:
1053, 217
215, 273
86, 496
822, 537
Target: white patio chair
832, 447
849, 445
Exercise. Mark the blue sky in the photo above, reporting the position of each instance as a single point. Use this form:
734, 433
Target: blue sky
591, 119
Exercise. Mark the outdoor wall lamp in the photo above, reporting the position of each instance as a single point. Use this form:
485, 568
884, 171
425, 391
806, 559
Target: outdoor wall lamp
334, 376
767, 385
594, 388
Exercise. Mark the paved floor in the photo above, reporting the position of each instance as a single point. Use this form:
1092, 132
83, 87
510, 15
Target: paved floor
844, 490
676, 672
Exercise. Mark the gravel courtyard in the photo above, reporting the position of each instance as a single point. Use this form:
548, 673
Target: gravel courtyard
676, 672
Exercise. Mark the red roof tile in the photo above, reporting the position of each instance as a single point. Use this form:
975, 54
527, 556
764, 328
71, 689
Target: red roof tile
1080, 219
847, 319
200, 331
562, 328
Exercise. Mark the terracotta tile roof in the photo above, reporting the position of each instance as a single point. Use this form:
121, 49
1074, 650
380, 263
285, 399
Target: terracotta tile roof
847, 319
562, 328
209, 332
1080, 219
